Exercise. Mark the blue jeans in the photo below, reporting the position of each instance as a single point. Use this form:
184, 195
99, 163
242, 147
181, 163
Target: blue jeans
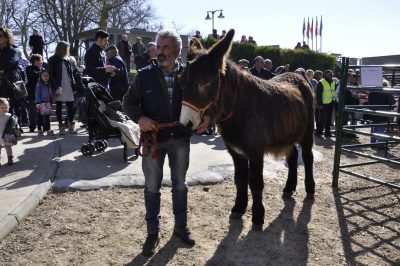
379, 130
177, 150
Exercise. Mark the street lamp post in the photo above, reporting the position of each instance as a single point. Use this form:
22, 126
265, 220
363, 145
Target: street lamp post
212, 17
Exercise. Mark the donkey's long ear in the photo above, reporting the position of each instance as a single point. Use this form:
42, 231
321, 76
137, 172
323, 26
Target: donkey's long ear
194, 46
220, 51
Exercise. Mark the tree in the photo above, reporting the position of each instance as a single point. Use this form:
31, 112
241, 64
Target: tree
5, 13
103, 8
67, 18
132, 14
23, 18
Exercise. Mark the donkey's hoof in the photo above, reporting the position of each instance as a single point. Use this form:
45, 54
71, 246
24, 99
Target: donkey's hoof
236, 215
257, 227
310, 196
287, 195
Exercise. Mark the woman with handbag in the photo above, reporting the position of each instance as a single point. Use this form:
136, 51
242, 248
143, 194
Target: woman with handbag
43, 103
62, 83
9, 69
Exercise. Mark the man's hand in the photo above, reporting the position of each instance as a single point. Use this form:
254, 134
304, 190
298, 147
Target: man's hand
203, 125
110, 69
147, 124
59, 91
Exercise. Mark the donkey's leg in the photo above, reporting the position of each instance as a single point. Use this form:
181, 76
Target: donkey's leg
256, 186
308, 158
291, 182
241, 181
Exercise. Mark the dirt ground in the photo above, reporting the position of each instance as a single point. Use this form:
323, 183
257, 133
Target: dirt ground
359, 223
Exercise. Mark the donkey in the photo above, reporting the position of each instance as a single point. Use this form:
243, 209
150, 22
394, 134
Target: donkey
255, 116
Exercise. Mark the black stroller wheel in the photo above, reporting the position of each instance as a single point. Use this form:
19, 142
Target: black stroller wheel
99, 145
105, 143
87, 149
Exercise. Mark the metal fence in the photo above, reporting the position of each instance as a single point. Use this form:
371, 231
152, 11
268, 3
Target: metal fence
386, 139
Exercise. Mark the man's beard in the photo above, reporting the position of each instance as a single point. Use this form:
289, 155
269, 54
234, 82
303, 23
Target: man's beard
165, 61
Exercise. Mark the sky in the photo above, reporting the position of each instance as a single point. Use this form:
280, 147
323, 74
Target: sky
354, 28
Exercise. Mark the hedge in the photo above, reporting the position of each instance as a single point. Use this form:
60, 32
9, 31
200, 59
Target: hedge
306, 59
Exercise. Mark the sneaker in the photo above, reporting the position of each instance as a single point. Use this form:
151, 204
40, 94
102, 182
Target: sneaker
40, 133
50, 133
150, 245
185, 235
62, 131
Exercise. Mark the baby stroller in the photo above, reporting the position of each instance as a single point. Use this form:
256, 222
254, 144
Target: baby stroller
98, 124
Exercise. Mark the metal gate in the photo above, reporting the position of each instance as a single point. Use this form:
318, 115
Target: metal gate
386, 139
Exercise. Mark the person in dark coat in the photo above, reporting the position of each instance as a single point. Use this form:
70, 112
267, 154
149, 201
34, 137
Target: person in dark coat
32, 74
125, 51
95, 59
10, 71
119, 83
139, 49
258, 69
36, 43
379, 98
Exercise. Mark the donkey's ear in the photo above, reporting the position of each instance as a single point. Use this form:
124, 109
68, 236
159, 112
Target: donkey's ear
220, 51
194, 46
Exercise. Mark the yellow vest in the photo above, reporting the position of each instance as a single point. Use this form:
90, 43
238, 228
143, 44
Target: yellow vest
328, 93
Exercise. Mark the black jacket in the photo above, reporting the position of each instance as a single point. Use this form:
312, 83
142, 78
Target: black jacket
37, 44
264, 73
9, 59
32, 74
148, 96
55, 71
95, 62
124, 49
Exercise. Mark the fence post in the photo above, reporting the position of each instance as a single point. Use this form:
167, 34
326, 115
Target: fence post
339, 121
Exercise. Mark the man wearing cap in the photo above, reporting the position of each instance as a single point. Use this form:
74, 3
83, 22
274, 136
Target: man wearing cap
125, 51
151, 52
244, 65
96, 62
138, 50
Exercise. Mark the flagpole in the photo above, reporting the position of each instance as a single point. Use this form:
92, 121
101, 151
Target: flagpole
312, 33
316, 33
320, 35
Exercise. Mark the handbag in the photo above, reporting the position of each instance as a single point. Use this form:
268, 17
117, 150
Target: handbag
19, 90
45, 109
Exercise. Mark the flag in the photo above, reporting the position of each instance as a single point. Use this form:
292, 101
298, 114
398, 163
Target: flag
320, 28
316, 27
304, 26
311, 28
308, 28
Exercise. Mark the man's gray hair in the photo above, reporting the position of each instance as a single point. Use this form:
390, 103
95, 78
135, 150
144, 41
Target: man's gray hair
176, 38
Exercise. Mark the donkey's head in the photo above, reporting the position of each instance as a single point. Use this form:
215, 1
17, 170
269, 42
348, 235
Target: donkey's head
202, 80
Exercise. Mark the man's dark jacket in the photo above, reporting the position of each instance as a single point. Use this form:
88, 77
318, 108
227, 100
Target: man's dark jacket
120, 81
32, 73
264, 73
37, 44
148, 96
95, 62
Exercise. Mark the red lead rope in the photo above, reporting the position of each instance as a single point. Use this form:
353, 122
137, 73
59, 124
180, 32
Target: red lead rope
149, 139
